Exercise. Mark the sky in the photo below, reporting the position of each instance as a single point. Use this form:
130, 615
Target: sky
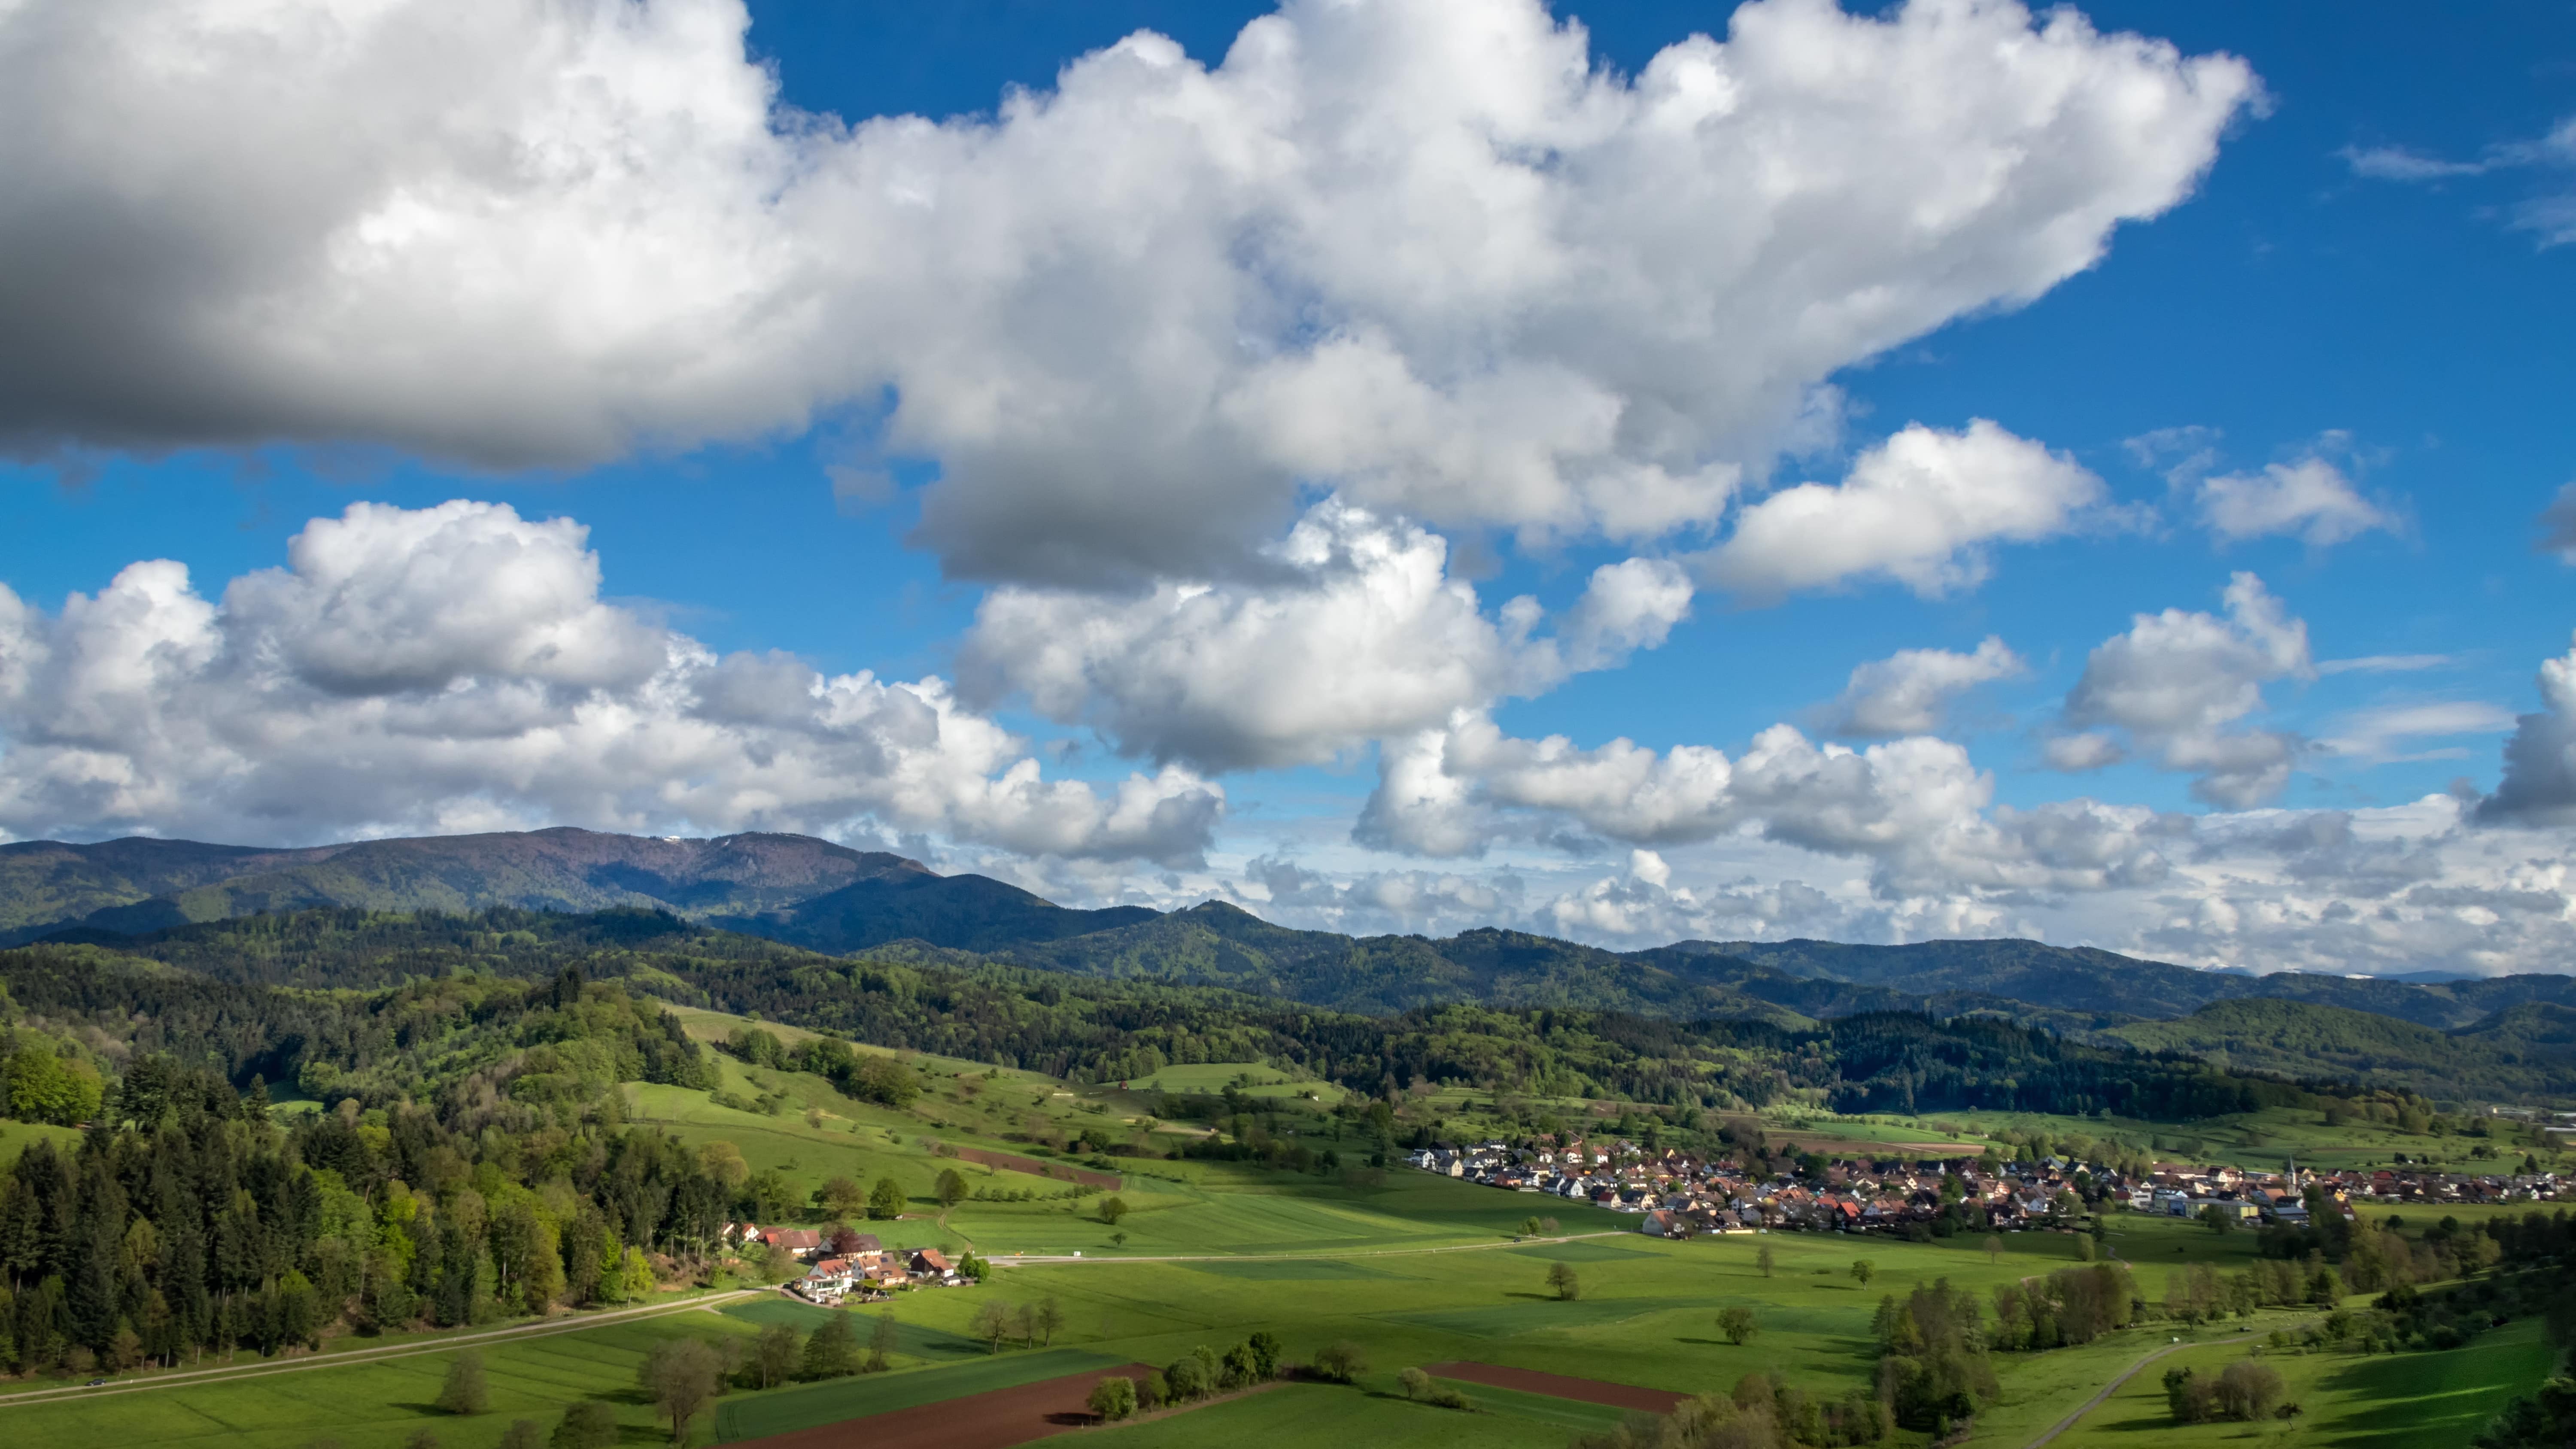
1628, 471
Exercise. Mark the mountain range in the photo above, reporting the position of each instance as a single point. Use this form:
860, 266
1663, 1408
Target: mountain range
828, 898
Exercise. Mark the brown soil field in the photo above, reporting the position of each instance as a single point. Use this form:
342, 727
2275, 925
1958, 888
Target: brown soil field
1013, 1163
1558, 1386
995, 1420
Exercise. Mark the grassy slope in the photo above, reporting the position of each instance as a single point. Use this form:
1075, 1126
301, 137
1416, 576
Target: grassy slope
1646, 1314
2350, 1401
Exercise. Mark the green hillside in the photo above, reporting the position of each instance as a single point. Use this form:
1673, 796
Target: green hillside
2528, 1051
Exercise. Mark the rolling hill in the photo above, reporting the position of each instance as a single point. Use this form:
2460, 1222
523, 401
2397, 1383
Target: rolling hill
829, 899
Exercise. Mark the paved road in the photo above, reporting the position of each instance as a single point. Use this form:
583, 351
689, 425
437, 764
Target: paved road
2113, 1386
191, 1377
1025, 1260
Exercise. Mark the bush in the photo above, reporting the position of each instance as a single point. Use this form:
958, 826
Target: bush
464, 1392
1113, 1398
589, 1424
1414, 1382
1339, 1362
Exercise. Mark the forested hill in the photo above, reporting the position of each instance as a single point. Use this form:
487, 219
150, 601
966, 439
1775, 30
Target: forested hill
826, 898
2083, 979
498, 996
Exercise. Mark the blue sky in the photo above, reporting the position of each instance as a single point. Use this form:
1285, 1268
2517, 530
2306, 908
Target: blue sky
2349, 270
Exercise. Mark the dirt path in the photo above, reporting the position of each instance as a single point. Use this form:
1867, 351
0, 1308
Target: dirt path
2113, 1386
190, 1377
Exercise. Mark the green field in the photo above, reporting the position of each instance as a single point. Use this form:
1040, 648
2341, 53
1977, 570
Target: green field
1414, 1269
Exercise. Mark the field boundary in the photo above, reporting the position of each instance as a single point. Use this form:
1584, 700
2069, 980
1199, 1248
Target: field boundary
1559, 1386
187, 1378
1013, 1162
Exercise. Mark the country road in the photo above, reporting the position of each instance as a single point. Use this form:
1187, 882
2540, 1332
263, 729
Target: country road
191, 1377
2113, 1386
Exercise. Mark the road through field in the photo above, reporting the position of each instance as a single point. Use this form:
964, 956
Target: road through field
2113, 1387
190, 1377
1031, 1260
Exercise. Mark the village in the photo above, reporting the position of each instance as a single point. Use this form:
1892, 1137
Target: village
1680, 1196
846, 1266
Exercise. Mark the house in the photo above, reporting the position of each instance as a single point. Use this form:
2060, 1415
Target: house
931, 1263
803, 1242
1664, 1223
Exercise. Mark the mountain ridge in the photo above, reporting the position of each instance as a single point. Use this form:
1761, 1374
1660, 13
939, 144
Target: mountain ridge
835, 900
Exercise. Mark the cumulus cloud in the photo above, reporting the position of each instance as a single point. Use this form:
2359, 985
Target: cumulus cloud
2539, 785
1918, 508
453, 668
1358, 634
2310, 500
1421, 251
2558, 526
2178, 683
1909, 692
1916, 809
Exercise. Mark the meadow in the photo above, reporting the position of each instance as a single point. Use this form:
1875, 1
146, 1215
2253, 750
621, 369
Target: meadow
1413, 1269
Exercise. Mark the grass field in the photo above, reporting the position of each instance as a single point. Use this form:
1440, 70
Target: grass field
2349, 1401
1414, 1269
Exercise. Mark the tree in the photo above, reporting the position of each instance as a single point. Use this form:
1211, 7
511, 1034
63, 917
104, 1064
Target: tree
589, 1424
1739, 1325
1862, 1270
774, 1354
1340, 1362
951, 1189
464, 1392
1562, 1278
421, 1439
1765, 1259
882, 1342
993, 1323
1050, 1318
723, 1162
832, 1350
1414, 1382
2217, 1221
1112, 1208
522, 1434
841, 1197
1265, 1348
885, 1200
1529, 1228
679, 1376
1994, 1249
1113, 1398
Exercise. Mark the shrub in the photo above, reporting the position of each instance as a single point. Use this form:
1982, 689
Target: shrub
464, 1392
1113, 1398
589, 1424
1340, 1362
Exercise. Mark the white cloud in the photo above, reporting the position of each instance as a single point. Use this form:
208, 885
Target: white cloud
2398, 163
2539, 785
453, 668
1916, 809
1908, 692
2385, 664
1359, 634
1425, 252
2310, 500
2382, 733
2178, 684
1918, 508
